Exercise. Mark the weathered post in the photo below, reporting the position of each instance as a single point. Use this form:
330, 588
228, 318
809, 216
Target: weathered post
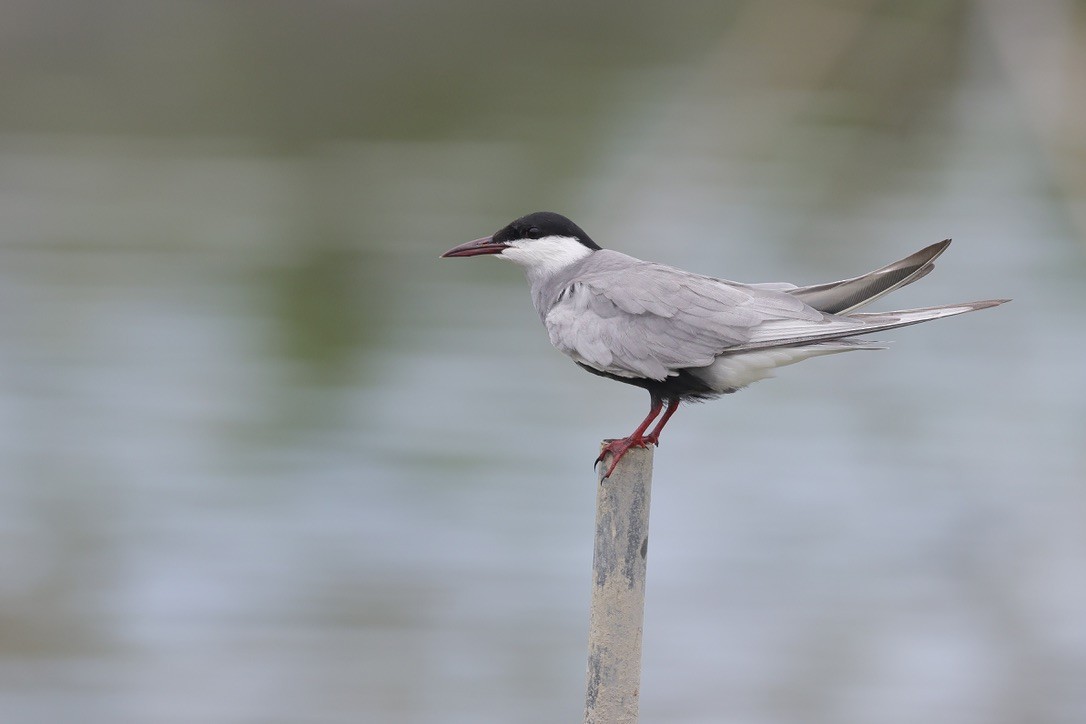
618, 590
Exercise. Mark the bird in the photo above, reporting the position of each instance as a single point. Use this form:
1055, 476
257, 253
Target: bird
684, 336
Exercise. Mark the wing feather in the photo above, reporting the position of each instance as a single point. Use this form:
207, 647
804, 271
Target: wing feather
650, 320
636, 319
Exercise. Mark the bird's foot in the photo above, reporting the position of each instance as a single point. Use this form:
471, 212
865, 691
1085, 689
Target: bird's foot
618, 448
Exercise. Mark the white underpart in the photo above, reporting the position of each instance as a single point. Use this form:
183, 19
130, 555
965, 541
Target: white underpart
734, 371
545, 256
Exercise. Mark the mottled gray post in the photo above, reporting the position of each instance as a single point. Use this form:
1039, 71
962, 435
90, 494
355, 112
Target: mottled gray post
618, 590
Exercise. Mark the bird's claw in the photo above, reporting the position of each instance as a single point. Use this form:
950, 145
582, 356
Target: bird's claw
618, 448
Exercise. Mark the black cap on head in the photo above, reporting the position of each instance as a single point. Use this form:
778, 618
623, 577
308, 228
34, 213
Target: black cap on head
541, 224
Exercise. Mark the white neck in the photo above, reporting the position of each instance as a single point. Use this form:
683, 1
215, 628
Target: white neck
543, 257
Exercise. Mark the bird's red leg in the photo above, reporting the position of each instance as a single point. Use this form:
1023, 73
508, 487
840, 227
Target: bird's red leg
654, 436
618, 448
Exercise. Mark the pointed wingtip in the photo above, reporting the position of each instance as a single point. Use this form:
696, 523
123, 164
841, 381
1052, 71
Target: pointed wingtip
924, 261
932, 251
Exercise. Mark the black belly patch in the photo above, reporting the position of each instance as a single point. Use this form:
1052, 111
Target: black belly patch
683, 386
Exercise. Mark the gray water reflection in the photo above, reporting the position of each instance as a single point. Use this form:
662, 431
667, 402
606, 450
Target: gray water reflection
266, 458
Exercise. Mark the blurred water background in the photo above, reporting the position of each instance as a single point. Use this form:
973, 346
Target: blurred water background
265, 458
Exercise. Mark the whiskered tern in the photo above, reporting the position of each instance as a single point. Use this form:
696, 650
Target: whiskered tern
684, 336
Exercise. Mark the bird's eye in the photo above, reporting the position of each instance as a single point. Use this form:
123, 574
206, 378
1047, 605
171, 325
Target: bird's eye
534, 233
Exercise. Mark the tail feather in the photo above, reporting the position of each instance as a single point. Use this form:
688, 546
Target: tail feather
852, 325
905, 317
844, 296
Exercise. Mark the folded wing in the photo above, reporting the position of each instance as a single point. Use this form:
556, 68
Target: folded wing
652, 321
847, 295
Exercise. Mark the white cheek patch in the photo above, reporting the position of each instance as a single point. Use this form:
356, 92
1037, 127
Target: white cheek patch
547, 255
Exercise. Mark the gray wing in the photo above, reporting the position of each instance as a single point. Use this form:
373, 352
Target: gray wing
650, 320
851, 294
